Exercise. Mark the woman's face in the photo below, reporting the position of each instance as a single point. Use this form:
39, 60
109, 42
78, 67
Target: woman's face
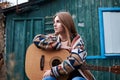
58, 28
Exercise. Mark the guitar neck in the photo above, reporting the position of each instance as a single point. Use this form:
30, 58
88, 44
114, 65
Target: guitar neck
97, 68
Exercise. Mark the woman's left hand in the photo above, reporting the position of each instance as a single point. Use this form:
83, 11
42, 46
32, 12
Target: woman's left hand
65, 46
47, 73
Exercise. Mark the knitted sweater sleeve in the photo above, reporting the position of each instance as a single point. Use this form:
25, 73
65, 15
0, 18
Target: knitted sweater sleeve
48, 42
77, 57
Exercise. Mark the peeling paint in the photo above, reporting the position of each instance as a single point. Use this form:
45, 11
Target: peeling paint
81, 24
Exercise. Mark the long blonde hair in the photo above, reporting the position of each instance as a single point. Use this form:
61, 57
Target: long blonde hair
68, 24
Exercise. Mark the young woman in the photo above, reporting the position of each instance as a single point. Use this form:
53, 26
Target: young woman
65, 37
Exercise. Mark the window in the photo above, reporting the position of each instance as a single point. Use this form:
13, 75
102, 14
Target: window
109, 19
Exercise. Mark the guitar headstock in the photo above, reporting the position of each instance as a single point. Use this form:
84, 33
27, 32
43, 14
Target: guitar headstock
115, 69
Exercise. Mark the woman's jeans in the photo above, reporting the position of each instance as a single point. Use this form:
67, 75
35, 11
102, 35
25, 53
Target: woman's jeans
52, 78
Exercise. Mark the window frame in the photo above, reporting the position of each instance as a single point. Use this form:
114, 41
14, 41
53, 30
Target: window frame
102, 35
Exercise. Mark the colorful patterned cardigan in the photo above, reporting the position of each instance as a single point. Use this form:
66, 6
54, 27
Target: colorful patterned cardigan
73, 62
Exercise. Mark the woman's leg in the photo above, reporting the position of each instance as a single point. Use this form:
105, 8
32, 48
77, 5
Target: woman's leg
78, 78
49, 78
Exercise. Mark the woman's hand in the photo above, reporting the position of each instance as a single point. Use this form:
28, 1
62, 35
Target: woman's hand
47, 73
64, 45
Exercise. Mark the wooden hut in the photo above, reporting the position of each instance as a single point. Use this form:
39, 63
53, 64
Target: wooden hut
25, 20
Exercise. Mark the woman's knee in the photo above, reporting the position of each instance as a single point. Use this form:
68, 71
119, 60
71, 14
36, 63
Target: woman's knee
78, 78
49, 78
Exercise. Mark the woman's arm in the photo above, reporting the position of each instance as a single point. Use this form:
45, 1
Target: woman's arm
78, 55
46, 42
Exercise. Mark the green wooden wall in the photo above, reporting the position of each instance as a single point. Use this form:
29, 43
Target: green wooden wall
21, 29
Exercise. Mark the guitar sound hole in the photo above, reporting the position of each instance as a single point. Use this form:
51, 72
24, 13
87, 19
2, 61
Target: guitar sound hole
56, 62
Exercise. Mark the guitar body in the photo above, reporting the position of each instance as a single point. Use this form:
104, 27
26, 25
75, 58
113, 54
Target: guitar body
38, 61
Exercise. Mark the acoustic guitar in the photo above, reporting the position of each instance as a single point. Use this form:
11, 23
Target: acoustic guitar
38, 61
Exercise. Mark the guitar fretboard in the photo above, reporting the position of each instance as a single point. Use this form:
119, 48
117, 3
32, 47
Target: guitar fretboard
97, 68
